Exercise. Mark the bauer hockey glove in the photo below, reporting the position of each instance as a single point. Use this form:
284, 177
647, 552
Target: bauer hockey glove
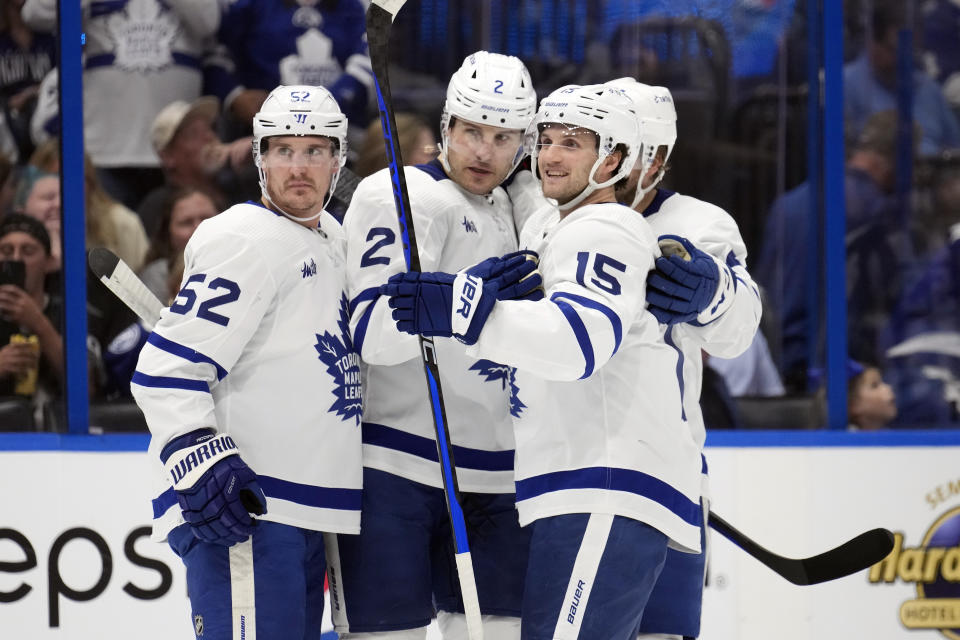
687, 284
216, 490
443, 304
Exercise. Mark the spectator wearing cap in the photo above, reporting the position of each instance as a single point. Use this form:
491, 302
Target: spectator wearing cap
192, 155
877, 251
25, 308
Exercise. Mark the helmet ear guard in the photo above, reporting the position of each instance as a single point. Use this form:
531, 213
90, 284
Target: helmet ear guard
299, 110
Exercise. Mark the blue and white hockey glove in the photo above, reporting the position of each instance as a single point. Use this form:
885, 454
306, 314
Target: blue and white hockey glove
443, 304
516, 272
216, 490
687, 284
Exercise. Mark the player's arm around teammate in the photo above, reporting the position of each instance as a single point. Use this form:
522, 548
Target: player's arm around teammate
251, 389
590, 359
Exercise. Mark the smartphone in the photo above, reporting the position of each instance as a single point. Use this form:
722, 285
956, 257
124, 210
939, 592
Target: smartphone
12, 272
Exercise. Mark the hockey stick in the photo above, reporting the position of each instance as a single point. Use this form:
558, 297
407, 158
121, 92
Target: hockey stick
855, 555
380, 16
124, 283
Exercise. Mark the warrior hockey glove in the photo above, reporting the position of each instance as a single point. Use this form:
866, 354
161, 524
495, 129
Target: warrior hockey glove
688, 285
443, 304
217, 492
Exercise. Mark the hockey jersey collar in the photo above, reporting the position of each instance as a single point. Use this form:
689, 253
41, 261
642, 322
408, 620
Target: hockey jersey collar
434, 169
657, 202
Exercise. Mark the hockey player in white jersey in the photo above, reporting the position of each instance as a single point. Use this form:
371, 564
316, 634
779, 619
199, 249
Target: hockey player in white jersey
712, 240
606, 474
391, 577
251, 389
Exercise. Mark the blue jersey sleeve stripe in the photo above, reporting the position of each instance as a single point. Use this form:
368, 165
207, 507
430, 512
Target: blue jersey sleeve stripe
166, 382
163, 502
602, 308
367, 294
466, 458
613, 479
186, 353
580, 331
310, 495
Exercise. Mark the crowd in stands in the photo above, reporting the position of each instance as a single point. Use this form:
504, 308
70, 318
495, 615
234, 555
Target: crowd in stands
170, 88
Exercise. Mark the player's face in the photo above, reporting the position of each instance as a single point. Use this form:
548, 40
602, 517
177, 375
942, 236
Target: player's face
481, 156
298, 172
186, 216
565, 157
628, 191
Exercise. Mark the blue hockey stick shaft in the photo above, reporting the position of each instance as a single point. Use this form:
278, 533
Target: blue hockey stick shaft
380, 16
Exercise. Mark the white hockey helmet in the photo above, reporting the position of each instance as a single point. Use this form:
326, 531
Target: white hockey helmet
603, 109
299, 110
658, 125
492, 89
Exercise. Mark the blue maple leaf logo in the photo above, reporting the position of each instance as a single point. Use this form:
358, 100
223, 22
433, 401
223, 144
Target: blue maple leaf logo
493, 371
343, 365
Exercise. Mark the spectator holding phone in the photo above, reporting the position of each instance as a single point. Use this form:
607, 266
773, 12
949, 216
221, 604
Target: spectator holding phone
32, 351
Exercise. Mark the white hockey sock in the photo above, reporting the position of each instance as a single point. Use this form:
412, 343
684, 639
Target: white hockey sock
453, 626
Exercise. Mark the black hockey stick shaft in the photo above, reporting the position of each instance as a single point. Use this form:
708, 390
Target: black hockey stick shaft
857, 554
380, 15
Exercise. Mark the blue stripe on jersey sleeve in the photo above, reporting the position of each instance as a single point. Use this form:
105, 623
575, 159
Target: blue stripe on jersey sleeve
613, 479
310, 495
602, 308
166, 382
367, 294
580, 331
184, 352
464, 457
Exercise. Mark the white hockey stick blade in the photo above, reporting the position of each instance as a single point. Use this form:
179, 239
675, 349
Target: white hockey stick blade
390, 6
124, 283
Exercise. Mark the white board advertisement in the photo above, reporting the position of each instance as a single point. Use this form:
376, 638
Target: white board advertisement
76, 561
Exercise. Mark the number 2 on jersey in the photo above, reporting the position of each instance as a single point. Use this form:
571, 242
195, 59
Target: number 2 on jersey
602, 267
388, 237
188, 297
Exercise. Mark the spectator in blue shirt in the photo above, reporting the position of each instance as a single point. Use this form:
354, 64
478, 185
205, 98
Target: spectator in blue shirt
870, 85
876, 251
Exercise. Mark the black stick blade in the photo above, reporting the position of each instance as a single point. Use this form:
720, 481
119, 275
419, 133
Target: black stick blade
858, 554
852, 556
102, 262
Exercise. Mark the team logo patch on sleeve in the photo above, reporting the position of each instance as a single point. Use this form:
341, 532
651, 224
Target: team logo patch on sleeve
343, 365
492, 371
